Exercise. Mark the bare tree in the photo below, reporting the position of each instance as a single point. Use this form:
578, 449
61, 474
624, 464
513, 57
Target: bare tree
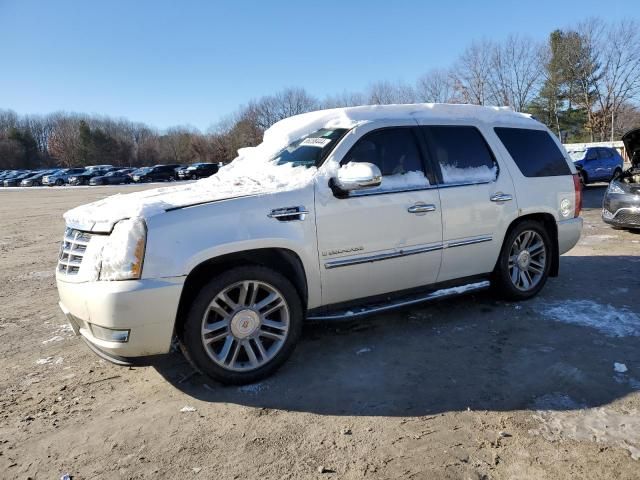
515, 73
387, 93
472, 73
619, 82
436, 86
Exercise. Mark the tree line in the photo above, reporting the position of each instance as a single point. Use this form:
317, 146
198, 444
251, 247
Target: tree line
583, 82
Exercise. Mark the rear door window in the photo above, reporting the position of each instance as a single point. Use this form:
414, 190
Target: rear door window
534, 152
461, 153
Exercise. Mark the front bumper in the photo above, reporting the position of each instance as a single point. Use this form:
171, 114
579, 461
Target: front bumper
621, 210
569, 232
146, 308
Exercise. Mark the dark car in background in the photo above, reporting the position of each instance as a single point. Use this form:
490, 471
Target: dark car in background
621, 205
157, 173
597, 164
85, 176
35, 180
61, 177
14, 180
115, 177
199, 170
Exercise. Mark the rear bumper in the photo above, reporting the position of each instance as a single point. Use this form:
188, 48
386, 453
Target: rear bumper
145, 308
569, 232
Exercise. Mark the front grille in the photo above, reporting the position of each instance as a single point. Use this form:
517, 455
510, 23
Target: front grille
628, 218
72, 250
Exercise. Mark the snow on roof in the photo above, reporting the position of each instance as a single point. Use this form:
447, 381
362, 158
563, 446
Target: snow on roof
252, 172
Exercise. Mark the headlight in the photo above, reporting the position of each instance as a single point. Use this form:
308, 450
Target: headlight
123, 253
614, 187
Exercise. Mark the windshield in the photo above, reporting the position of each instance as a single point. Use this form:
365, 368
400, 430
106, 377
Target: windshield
311, 150
577, 155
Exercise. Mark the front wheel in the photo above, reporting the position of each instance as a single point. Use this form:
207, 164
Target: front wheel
59, 182
524, 262
243, 325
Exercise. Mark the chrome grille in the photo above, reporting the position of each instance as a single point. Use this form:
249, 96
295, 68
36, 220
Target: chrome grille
628, 217
72, 251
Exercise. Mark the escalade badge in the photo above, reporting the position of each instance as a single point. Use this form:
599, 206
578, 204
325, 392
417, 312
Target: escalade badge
328, 253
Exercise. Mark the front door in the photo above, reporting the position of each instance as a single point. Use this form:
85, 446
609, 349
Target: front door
384, 239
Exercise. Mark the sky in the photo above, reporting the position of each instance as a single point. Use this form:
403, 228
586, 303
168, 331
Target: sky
193, 63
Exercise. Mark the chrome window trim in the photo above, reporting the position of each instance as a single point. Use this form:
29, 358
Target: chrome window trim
363, 193
405, 252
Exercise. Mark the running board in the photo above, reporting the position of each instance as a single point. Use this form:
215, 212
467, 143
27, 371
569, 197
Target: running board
396, 304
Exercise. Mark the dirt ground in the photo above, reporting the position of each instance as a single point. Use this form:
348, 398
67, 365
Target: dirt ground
468, 388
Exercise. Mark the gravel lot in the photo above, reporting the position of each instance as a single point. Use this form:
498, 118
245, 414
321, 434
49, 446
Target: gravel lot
466, 388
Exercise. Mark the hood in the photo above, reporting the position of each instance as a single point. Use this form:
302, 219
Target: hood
631, 141
241, 178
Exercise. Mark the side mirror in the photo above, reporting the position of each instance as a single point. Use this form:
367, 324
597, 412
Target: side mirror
358, 176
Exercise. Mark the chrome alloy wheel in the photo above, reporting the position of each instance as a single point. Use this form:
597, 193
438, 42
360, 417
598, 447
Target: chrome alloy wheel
527, 260
245, 325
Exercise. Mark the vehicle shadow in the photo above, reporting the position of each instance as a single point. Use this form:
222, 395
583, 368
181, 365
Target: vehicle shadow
471, 352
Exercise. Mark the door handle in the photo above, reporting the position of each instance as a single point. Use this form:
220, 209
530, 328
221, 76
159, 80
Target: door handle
421, 208
501, 197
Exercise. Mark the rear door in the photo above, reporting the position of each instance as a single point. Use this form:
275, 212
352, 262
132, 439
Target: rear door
477, 199
607, 163
383, 239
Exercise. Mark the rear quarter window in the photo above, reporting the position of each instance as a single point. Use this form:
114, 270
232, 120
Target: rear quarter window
534, 152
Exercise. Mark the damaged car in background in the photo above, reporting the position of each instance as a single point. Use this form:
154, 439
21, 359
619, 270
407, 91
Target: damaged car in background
621, 206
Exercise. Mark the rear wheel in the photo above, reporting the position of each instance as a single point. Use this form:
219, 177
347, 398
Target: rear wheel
243, 325
524, 262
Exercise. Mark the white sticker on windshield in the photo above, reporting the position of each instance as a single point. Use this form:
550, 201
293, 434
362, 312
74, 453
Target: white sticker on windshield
316, 142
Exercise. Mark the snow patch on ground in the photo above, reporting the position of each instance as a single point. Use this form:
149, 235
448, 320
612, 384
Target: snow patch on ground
612, 321
600, 425
254, 388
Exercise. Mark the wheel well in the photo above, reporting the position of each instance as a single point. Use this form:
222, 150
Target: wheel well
549, 223
279, 259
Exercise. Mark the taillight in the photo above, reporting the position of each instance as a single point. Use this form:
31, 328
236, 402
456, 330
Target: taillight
577, 187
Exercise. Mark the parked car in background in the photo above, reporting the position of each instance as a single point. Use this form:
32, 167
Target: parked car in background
10, 173
378, 214
597, 164
621, 204
115, 177
35, 180
157, 173
198, 170
84, 177
61, 177
14, 180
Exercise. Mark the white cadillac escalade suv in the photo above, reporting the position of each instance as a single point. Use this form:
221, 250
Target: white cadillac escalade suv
338, 213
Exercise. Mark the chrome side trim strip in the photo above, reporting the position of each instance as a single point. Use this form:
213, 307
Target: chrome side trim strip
343, 262
469, 241
438, 294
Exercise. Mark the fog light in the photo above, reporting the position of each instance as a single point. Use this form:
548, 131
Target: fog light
607, 214
109, 334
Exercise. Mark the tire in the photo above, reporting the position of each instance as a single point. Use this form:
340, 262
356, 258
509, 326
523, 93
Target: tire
584, 179
59, 182
525, 267
227, 359
194, 177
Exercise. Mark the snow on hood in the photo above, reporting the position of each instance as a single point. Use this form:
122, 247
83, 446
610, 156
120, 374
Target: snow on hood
253, 173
